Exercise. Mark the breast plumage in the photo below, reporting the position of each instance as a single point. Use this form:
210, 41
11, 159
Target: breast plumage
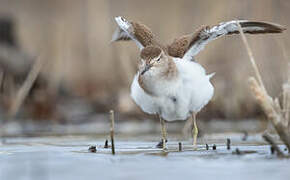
186, 94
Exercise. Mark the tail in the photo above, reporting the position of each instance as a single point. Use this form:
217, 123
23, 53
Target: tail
210, 75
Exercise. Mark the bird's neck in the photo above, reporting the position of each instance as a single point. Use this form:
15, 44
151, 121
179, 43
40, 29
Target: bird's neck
154, 81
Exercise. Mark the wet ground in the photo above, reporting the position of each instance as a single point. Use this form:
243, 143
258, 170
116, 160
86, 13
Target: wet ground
67, 157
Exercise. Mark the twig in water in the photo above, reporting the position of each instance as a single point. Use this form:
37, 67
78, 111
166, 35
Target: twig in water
206, 147
270, 140
92, 149
238, 152
245, 137
179, 146
228, 144
112, 131
160, 144
106, 144
272, 149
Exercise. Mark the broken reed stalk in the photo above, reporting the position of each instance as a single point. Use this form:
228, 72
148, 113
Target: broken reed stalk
271, 141
268, 106
112, 131
278, 116
179, 146
106, 144
25, 88
252, 59
228, 144
286, 99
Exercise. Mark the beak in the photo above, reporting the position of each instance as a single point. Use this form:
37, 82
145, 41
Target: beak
147, 67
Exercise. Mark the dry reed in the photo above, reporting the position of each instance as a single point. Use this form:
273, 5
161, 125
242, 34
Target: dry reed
279, 116
112, 130
25, 88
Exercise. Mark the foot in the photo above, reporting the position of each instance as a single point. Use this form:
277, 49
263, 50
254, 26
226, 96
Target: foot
160, 144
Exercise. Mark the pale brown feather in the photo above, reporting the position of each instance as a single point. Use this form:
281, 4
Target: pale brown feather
181, 45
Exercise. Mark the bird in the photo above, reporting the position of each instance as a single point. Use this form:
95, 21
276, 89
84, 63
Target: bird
169, 82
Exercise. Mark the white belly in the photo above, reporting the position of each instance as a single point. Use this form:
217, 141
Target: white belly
192, 93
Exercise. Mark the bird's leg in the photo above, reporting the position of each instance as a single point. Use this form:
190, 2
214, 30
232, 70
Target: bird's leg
187, 128
194, 129
163, 132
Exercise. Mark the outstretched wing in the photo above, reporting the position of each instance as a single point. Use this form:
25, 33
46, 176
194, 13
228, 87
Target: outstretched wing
135, 31
190, 45
120, 35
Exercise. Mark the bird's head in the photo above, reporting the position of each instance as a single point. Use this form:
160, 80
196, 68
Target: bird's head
152, 57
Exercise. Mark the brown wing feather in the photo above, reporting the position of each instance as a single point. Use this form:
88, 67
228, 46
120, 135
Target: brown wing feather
136, 31
194, 43
180, 45
143, 34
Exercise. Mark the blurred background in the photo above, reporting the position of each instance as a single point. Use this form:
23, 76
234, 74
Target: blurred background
83, 75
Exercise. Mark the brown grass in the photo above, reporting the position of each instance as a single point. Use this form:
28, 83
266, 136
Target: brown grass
25, 88
279, 116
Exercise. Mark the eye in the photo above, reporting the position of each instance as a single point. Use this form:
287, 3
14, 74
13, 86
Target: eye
158, 59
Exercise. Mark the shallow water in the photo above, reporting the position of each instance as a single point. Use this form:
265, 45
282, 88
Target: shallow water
68, 158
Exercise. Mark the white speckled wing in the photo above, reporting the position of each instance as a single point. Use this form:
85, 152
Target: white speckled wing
125, 31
